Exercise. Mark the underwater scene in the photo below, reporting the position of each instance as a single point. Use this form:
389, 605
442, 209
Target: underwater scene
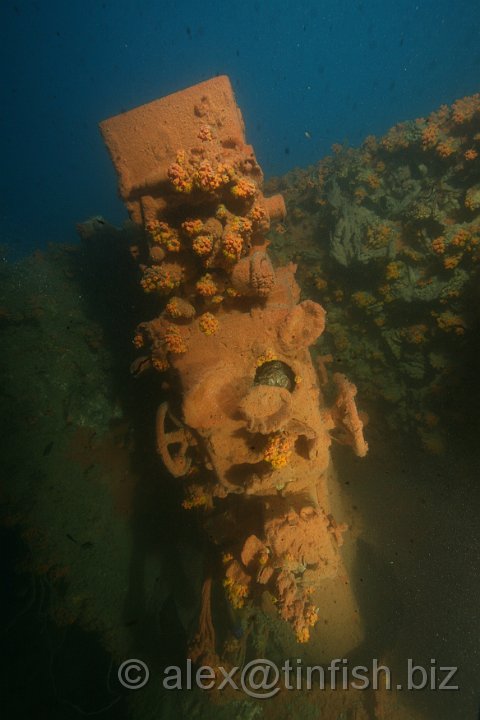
239, 378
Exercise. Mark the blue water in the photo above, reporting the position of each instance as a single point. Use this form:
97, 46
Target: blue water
306, 74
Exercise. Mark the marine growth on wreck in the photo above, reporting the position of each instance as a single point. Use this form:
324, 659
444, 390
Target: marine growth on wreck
390, 232
246, 426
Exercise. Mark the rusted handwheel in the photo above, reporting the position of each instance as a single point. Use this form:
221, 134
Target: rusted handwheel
177, 464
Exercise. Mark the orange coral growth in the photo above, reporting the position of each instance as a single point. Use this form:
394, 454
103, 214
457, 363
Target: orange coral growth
438, 245
208, 323
451, 262
461, 237
202, 245
470, 154
179, 175
196, 498
392, 271
279, 450
295, 606
160, 363
205, 133
239, 224
416, 334
363, 299
445, 149
259, 218
464, 109
206, 286
450, 322
161, 278
373, 180
210, 179
175, 341
163, 234
179, 308
192, 227
236, 584
244, 189
232, 245
267, 356
430, 135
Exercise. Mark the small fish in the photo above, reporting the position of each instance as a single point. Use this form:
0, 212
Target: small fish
307, 135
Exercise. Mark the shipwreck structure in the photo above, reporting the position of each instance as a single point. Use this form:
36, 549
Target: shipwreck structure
245, 426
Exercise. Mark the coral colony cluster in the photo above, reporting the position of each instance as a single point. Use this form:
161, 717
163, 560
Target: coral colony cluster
245, 424
391, 235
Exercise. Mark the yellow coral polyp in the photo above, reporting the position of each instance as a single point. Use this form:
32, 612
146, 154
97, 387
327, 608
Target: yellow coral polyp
451, 262
363, 299
259, 218
206, 286
210, 179
303, 625
240, 224
208, 323
160, 363
205, 133
445, 149
430, 136
278, 450
392, 271
202, 245
303, 635
464, 109
162, 234
378, 236
416, 334
438, 245
221, 212
244, 189
449, 322
461, 237
236, 592
172, 308
232, 245
196, 500
373, 181
191, 228
268, 356
180, 178
175, 341
159, 279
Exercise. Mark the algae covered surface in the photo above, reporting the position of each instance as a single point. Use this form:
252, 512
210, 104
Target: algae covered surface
387, 236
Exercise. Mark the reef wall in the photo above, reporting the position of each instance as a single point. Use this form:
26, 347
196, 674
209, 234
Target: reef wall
387, 237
